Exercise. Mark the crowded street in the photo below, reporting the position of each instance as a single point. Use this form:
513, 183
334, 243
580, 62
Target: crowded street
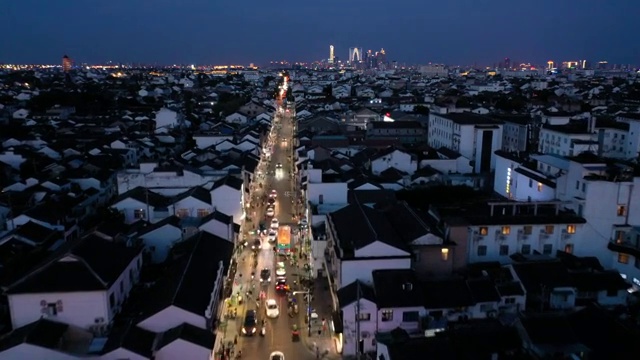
262, 265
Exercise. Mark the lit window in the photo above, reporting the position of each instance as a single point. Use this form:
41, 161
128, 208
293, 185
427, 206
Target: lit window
445, 254
506, 230
387, 314
623, 258
622, 210
139, 214
539, 187
571, 229
484, 231
568, 248
549, 229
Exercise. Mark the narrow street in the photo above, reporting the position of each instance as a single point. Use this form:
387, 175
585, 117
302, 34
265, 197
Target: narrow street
278, 331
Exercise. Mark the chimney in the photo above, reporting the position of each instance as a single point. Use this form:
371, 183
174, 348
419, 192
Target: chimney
591, 128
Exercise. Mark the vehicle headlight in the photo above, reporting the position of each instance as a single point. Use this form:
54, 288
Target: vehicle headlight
244, 331
269, 279
253, 330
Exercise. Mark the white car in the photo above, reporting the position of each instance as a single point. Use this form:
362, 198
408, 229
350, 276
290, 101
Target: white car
281, 271
270, 212
276, 355
275, 223
272, 235
272, 309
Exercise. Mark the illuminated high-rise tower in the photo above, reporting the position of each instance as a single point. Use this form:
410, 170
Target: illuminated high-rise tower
67, 63
331, 54
355, 55
550, 65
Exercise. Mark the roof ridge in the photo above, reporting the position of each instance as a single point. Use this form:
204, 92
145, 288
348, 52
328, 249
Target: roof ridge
184, 273
367, 219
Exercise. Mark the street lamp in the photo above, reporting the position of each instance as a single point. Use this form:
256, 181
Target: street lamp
308, 293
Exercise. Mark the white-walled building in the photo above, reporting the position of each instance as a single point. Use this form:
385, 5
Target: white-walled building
191, 290
501, 229
321, 187
393, 158
166, 181
475, 137
84, 286
398, 299
604, 195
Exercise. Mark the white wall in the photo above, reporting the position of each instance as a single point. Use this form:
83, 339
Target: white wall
180, 349
78, 308
332, 193
159, 241
367, 328
379, 249
219, 229
120, 354
397, 159
396, 321
228, 201
192, 205
171, 317
145, 177
129, 206
352, 270
27, 351
582, 245
205, 141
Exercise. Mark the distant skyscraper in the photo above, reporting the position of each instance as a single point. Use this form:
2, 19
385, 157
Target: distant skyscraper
550, 65
507, 63
382, 59
67, 63
355, 55
331, 54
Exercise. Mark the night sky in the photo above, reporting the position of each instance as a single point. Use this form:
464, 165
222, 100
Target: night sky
240, 32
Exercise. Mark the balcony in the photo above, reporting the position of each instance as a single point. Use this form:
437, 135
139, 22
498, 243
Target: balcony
625, 247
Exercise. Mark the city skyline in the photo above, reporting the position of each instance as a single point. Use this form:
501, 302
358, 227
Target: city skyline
173, 32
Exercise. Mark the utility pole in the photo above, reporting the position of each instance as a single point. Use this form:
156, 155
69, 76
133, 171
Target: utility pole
358, 354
